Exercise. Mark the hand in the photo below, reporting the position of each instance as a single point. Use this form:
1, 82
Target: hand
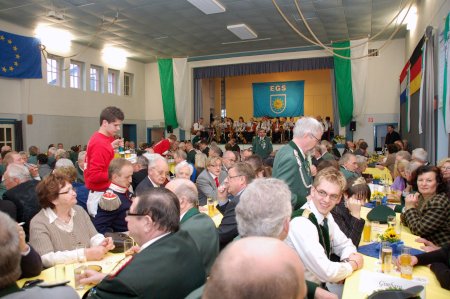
95, 253
108, 243
118, 142
313, 170
354, 206
323, 294
222, 191
91, 277
412, 201
133, 250
414, 261
428, 245
22, 243
358, 259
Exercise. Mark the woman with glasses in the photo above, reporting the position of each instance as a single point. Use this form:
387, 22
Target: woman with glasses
427, 212
61, 225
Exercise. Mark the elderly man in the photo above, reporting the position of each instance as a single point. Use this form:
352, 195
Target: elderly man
198, 225
228, 160
239, 176
181, 156
80, 165
291, 164
100, 152
168, 264
190, 151
256, 268
314, 234
420, 155
158, 170
140, 171
10, 268
21, 190
256, 215
117, 199
348, 166
261, 144
210, 179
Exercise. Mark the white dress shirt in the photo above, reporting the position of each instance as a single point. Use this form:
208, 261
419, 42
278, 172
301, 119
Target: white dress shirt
304, 238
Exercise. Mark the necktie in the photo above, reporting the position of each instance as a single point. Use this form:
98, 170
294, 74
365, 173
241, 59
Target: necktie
217, 181
325, 226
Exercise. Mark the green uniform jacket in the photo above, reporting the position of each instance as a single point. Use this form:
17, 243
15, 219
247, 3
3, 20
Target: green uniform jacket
170, 268
262, 148
285, 167
203, 231
347, 173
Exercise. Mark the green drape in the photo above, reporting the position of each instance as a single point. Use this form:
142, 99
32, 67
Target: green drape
343, 77
165, 67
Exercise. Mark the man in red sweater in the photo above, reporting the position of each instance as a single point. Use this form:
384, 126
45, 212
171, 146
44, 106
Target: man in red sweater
100, 152
163, 147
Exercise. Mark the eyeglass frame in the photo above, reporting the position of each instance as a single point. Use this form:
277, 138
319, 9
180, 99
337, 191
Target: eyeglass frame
128, 213
317, 139
324, 194
67, 192
235, 176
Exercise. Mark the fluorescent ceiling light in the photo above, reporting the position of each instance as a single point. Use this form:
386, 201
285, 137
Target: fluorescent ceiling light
208, 6
242, 31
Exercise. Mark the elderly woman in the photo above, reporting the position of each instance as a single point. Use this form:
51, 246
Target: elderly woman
426, 212
347, 213
444, 166
183, 170
61, 225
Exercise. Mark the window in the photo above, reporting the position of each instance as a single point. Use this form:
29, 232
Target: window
76, 71
127, 84
113, 81
54, 70
96, 77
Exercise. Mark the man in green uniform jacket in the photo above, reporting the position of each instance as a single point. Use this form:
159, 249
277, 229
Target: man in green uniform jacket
168, 264
291, 164
261, 144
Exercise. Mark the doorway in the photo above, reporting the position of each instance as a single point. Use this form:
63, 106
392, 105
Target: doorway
379, 133
129, 133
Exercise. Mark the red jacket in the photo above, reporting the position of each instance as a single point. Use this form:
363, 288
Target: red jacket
98, 156
162, 146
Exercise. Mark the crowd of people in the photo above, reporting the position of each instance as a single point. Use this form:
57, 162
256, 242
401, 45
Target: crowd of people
296, 212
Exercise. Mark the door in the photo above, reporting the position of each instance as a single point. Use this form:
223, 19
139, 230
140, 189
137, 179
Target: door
129, 133
7, 135
379, 133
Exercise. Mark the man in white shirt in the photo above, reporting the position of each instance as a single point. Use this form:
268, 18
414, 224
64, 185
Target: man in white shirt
315, 235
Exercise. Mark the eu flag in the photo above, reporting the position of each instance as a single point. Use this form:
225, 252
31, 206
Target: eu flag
20, 56
278, 99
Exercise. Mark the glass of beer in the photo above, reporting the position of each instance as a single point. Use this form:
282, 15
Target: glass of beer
405, 263
211, 209
78, 274
367, 231
375, 230
386, 257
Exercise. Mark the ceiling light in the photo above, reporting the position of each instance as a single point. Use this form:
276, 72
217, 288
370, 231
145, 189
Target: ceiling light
242, 31
54, 39
208, 6
115, 57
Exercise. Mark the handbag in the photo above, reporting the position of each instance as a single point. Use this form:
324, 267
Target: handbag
119, 240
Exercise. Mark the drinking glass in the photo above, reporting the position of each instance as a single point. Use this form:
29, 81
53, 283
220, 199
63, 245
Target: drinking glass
127, 244
405, 263
78, 274
211, 210
81, 253
367, 231
60, 272
375, 230
386, 257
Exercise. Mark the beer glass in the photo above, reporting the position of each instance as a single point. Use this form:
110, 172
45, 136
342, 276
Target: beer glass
405, 263
211, 210
386, 257
367, 231
391, 221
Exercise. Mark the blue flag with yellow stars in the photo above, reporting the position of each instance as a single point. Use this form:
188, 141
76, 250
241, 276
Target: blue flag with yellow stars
20, 56
278, 99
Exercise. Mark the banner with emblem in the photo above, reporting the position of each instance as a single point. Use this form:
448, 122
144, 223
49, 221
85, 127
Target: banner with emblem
278, 99
20, 56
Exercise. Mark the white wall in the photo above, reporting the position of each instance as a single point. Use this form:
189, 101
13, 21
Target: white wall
63, 114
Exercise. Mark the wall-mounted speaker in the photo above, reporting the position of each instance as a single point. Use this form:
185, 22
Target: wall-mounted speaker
169, 129
353, 126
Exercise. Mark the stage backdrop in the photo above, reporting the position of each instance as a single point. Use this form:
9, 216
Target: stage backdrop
278, 99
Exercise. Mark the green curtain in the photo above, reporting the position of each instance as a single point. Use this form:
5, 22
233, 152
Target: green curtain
343, 77
165, 67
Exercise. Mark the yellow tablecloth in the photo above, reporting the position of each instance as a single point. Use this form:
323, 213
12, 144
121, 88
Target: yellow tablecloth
376, 172
433, 289
48, 275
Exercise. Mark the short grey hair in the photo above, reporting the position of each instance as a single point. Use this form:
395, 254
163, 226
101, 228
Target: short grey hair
18, 171
181, 154
81, 156
9, 251
420, 154
257, 213
143, 161
153, 159
181, 165
405, 155
412, 166
345, 158
52, 150
307, 125
61, 153
63, 162
188, 190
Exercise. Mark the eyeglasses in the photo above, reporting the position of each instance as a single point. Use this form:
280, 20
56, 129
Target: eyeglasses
445, 168
68, 191
324, 194
128, 213
317, 139
235, 176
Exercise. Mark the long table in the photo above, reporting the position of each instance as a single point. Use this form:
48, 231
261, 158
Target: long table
433, 290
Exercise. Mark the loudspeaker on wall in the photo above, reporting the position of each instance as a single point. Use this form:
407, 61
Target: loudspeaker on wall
353, 126
169, 129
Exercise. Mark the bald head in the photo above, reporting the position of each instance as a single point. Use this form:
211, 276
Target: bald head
186, 192
256, 268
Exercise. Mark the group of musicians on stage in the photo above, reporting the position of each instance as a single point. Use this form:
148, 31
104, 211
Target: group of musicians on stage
279, 129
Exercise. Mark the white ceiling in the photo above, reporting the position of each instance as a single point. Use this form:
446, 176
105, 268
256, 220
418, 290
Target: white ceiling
175, 28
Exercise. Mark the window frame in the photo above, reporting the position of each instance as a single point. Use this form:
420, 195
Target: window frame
55, 70
80, 74
113, 81
98, 80
128, 80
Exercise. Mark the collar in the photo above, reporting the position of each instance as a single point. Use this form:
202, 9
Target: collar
154, 185
310, 205
51, 215
148, 243
213, 176
117, 188
12, 288
188, 214
297, 148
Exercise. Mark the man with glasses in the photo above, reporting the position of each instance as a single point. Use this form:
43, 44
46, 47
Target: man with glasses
314, 234
158, 170
239, 176
168, 264
291, 163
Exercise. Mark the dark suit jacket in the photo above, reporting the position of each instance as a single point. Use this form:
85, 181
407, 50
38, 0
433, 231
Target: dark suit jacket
25, 198
191, 156
143, 186
206, 186
203, 231
228, 227
31, 264
170, 268
138, 177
